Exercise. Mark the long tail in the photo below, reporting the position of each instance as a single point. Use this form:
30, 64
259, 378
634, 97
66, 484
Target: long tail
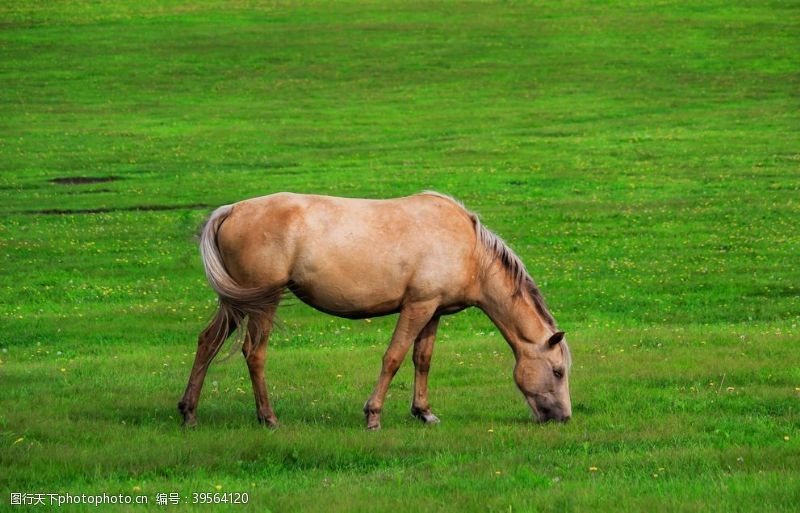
236, 303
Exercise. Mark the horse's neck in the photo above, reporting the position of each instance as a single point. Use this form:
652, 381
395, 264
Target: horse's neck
515, 315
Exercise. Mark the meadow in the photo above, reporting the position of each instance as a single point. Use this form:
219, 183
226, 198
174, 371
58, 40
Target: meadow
641, 157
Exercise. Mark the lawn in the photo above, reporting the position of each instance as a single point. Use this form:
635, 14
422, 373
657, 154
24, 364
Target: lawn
642, 158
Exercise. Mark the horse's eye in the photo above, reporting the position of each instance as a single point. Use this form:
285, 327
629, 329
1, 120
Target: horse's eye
559, 373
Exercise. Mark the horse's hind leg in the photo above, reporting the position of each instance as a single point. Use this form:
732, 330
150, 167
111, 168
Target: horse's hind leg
413, 318
423, 349
258, 332
208, 345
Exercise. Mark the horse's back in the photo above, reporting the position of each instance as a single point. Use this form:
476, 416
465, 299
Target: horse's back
352, 256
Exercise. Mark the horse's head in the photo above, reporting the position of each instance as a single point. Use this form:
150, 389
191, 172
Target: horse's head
542, 374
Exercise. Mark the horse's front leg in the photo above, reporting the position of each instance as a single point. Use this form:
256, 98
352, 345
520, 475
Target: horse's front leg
423, 349
413, 318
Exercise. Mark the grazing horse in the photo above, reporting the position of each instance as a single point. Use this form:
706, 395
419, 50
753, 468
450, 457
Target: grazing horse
421, 256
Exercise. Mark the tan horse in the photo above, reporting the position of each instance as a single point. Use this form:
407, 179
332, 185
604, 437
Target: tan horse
423, 256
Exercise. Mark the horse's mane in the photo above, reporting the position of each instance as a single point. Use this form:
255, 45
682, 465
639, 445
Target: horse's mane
497, 249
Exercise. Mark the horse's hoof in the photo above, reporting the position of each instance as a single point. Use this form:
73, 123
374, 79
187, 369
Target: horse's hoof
430, 418
373, 418
269, 423
426, 416
373, 421
189, 417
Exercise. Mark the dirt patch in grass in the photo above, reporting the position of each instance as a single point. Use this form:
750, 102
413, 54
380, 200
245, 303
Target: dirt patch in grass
107, 210
90, 191
82, 180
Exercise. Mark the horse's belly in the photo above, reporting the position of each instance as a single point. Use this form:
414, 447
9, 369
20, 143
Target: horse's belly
347, 300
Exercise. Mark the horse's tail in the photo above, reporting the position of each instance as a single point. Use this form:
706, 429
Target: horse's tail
236, 302
217, 275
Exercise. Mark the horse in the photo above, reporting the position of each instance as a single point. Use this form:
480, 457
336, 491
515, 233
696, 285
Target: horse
421, 256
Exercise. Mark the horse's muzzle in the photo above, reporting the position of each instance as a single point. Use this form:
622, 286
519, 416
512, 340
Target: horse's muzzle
542, 414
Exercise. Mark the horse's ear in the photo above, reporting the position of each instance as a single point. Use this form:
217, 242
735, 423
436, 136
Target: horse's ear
555, 338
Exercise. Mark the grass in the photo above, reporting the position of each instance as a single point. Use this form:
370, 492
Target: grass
641, 158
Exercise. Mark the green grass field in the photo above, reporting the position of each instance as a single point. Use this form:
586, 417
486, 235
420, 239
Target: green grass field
643, 158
